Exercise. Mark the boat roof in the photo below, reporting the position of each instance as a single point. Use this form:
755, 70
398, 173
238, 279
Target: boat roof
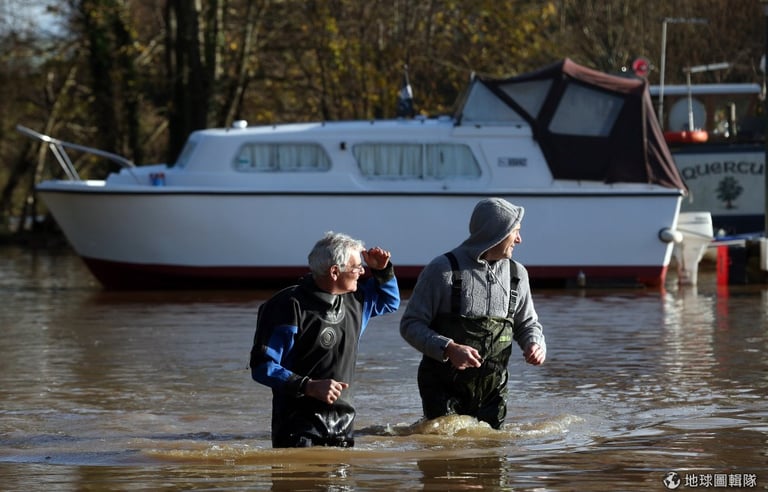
589, 125
356, 127
565, 104
707, 89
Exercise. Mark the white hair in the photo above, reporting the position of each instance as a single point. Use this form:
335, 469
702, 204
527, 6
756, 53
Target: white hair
334, 248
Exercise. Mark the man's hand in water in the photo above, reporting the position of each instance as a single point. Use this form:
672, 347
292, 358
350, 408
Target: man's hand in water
325, 390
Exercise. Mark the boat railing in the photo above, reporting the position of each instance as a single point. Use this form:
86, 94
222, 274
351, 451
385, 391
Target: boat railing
58, 149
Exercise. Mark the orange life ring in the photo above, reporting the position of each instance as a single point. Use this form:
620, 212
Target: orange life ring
695, 136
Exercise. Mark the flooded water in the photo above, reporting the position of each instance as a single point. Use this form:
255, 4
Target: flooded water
149, 391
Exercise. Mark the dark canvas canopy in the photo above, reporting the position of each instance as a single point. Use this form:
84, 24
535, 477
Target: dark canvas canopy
589, 125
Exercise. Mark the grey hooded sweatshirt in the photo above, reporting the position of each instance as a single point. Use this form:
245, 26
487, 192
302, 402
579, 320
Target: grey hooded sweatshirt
485, 286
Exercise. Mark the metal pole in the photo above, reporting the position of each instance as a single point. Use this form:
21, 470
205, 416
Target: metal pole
698, 69
690, 101
661, 70
765, 115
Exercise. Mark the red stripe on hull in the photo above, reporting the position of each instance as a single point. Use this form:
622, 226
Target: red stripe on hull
132, 276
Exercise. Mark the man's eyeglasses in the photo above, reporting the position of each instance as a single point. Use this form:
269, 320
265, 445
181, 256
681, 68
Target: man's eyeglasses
353, 269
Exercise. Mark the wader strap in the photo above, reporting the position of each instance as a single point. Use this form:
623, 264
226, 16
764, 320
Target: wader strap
513, 284
456, 286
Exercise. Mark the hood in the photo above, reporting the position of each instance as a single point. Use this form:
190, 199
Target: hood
492, 220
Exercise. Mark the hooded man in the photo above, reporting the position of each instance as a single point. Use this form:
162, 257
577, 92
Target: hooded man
467, 308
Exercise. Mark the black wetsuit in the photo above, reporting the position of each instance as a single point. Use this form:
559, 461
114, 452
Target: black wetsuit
303, 333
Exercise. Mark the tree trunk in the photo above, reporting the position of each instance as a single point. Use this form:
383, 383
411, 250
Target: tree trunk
100, 59
188, 89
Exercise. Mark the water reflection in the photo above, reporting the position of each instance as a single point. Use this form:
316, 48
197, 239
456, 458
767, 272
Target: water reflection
466, 474
720, 334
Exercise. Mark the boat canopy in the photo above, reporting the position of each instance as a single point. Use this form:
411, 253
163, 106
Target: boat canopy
589, 125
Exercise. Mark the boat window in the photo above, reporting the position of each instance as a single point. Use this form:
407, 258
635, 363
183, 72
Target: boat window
530, 95
585, 111
450, 160
277, 156
415, 161
389, 160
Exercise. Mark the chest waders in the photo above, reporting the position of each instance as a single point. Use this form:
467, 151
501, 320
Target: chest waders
477, 391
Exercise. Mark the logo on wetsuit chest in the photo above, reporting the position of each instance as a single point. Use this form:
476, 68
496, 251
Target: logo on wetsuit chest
327, 337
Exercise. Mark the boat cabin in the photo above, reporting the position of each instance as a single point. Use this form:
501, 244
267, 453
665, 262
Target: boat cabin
564, 125
723, 112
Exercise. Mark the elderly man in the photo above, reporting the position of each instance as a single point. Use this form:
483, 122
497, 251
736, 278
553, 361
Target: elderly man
305, 346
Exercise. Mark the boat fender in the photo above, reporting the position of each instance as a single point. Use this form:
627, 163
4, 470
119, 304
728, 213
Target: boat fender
668, 235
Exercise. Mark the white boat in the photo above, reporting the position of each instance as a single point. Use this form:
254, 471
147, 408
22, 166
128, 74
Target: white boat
723, 159
579, 149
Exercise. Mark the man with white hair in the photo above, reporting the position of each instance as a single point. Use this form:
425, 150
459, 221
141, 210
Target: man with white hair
305, 346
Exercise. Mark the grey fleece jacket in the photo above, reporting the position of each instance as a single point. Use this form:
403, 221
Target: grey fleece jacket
485, 286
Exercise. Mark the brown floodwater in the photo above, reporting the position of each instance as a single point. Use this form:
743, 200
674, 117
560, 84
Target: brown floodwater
150, 391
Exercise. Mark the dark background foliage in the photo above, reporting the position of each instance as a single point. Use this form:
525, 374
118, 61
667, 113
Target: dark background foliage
134, 77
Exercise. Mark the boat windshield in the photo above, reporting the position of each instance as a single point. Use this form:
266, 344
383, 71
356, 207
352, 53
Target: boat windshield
186, 152
585, 111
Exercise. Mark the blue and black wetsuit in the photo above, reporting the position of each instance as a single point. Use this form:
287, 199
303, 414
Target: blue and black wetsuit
305, 333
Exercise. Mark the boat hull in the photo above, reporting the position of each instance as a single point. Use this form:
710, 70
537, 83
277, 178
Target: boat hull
166, 237
726, 180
